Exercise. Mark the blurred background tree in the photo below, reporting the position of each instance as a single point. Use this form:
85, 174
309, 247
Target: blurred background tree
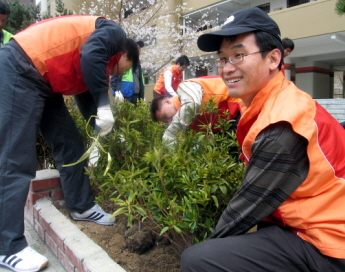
21, 16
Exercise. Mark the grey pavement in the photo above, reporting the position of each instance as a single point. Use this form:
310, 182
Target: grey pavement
40, 246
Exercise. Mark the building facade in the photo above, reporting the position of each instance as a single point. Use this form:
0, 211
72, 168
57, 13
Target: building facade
317, 63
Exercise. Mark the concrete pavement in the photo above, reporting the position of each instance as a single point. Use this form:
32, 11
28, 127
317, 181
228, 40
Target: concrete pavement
40, 246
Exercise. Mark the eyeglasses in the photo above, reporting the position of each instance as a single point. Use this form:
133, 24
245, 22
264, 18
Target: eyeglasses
233, 59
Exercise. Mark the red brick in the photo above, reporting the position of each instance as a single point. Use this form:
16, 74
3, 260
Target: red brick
29, 204
29, 212
66, 263
51, 244
36, 213
44, 184
33, 197
85, 268
45, 225
56, 238
57, 194
75, 261
59, 204
39, 229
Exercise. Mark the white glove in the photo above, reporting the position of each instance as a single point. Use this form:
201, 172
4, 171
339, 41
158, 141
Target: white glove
94, 157
105, 119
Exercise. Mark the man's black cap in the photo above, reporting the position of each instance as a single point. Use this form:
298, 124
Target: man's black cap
141, 43
241, 21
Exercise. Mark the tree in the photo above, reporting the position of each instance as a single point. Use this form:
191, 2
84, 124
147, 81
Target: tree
154, 22
21, 16
60, 9
340, 7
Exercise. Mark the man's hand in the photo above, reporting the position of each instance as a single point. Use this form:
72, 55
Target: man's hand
105, 119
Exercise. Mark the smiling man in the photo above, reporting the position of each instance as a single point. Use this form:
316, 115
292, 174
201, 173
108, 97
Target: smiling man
293, 188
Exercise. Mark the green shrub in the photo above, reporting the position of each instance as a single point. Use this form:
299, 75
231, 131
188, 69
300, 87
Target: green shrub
178, 192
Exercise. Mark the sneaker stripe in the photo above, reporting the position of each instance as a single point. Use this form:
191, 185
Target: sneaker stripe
96, 216
16, 262
12, 259
100, 216
91, 215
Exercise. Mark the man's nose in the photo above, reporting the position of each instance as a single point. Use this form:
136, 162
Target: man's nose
229, 67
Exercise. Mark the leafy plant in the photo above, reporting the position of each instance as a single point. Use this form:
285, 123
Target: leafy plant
340, 7
179, 193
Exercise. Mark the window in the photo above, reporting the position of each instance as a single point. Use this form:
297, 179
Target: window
292, 3
135, 6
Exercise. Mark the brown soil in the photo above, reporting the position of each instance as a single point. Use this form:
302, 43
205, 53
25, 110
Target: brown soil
135, 249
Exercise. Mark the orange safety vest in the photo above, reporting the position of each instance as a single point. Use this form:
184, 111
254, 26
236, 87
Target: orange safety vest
215, 89
54, 48
176, 80
315, 210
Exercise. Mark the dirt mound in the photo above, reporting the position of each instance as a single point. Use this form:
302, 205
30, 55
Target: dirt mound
136, 249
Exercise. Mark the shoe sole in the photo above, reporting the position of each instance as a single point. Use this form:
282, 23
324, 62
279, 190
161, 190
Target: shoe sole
32, 270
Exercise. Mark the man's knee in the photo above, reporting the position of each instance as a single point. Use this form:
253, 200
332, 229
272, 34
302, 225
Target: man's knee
191, 258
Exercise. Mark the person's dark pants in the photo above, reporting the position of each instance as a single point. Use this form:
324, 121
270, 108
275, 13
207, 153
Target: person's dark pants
270, 249
27, 106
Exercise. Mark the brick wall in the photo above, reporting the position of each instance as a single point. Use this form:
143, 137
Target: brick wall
75, 251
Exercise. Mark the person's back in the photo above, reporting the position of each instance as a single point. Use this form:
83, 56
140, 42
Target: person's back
36, 69
4, 15
182, 111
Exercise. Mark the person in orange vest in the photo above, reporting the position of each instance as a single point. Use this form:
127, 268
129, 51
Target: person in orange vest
294, 184
171, 77
65, 55
181, 111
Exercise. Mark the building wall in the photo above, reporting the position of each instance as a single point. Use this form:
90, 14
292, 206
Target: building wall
307, 20
317, 18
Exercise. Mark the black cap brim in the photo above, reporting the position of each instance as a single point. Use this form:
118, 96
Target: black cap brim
210, 42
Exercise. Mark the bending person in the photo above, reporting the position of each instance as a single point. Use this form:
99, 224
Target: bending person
60, 56
181, 111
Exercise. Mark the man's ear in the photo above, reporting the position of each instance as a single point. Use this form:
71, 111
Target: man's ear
125, 54
167, 101
275, 57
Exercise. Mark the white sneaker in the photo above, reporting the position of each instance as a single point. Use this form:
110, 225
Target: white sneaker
95, 214
27, 260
